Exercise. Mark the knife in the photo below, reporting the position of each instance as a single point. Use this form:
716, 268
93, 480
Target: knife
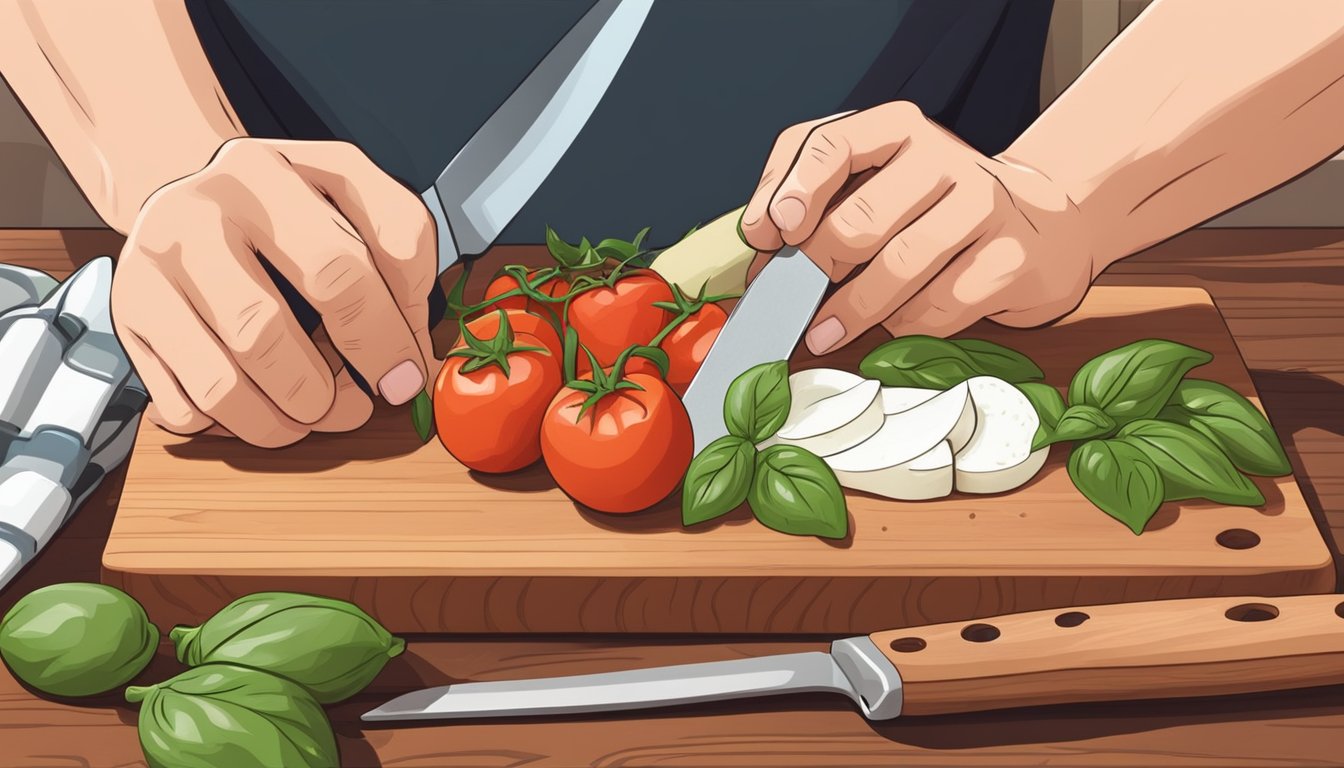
764, 327
1161, 649
500, 167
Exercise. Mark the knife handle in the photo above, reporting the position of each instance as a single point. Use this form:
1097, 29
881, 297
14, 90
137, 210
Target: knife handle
1161, 649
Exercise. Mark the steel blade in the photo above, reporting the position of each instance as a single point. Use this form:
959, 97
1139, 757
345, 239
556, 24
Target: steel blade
764, 326
490, 179
614, 691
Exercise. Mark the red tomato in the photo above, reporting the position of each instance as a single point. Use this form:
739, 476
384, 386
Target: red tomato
501, 285
487, 325
627, 452
489, 421
688, 343
611, 319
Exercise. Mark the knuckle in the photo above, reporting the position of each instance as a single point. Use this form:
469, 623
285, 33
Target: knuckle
903, 112
340, 283
824, 144
255, 332
218, 392
853, 223
242, 150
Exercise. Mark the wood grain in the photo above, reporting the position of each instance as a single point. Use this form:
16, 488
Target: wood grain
427, 546
1280, 292
1170, 648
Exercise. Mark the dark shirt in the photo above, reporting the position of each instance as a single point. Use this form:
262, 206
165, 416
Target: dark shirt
684, 129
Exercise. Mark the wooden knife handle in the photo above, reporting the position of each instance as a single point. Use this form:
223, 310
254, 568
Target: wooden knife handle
1162, 649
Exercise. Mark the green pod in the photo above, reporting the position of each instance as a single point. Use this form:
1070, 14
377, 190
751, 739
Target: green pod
226, 716
77, 639
328, 646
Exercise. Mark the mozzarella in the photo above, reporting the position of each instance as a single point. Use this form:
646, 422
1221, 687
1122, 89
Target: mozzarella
830, 411
998, 456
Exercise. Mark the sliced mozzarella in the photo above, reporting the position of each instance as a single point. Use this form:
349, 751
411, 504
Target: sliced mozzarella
897, 399
928, 476
911, 433
830, 411
998, 456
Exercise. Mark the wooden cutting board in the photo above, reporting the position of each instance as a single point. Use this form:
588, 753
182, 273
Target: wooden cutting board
425, 545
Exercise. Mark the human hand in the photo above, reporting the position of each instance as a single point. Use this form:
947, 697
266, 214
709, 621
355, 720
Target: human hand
211, 336
943, 234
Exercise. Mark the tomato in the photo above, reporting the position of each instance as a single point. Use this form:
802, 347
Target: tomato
625, 453
610, 319
688, 343
487, 325
491, 421
556, 286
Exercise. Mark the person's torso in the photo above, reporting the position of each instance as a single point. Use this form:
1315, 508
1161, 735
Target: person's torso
681, 133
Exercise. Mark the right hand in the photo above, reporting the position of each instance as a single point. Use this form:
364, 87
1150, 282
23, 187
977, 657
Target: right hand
210, 335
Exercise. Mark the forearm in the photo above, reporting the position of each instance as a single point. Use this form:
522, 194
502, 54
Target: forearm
1197, 107
122, 91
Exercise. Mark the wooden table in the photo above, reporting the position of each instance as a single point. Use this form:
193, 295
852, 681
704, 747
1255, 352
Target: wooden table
1280, 291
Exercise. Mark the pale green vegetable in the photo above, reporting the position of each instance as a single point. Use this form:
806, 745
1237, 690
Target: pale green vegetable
226, 716
77, 639
328, 646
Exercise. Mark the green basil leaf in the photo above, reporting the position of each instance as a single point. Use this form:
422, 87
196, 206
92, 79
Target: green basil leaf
1050, 407
795, 492
1192, 466
919, 361
1120, 479
1231, 422
422, 416
1134, 381
997, 360
758, 401
1083, 422
717, 480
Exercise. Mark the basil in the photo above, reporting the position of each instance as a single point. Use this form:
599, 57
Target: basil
1082, 422
422, 416
1120, 479
795, 492
997, 360
1134, 381
718, 479
1231, 422
1050, 407
758, 402
1192, 466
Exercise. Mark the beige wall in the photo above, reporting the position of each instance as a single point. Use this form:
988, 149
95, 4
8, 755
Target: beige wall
36, 192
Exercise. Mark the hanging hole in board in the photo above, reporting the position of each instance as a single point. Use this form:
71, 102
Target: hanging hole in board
908, 644
1252, 612
979, 633
1339, 610
1071, 619
1237, 538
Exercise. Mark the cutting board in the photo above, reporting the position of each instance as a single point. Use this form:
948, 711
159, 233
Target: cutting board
427, 546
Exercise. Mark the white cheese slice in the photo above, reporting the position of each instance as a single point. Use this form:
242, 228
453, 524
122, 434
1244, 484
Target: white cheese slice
998, 456
830, 411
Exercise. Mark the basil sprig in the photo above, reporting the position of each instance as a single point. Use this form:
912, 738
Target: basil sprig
789, 489
933, 363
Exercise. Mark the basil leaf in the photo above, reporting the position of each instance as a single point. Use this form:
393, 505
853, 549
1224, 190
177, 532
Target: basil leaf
1231, 422
1049, 405
758, 402
1120, 479
422, 416
795, 492
717, 480
919, 361
1083, 422
1192, 466
1134, 381
997, 360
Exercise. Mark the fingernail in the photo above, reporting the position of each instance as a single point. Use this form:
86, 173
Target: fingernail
827, 334
788, 213
401, 383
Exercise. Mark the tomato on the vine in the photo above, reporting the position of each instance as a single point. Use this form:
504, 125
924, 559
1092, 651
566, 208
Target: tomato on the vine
611, 318
615, 447
491, 397
554, 286
688, 344
487, 325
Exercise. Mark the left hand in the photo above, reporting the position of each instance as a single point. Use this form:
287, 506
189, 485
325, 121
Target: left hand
946, 235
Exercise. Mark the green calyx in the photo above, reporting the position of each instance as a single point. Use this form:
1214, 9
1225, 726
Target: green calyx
682, 309
482, 352
602, 383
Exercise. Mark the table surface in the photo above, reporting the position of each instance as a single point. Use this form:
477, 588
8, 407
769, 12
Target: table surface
1280, 291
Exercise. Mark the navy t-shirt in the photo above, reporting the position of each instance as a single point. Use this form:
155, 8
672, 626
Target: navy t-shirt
683, 131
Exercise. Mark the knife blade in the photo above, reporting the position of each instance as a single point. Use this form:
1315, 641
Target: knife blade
1125, 651
506, 160
764, 327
